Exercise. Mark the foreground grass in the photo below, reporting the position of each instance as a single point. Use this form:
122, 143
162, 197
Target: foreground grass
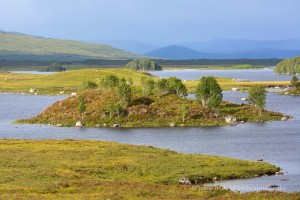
70, 81
68, 169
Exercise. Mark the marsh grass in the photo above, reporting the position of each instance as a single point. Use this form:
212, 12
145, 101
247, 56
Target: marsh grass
69, 169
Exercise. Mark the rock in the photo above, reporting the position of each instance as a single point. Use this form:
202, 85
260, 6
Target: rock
285, 118
182, 125
234, 89
104, 125
32, 90
260, 160
58, 125
244, 99
273, 186
172, 125
61, 92
97, 125
73, 94
116, 126
230, 120
79, 124
284, 179
242, 122
279, 173
185, 181
215, 179
286, 93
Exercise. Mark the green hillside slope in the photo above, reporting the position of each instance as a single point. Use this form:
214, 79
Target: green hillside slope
25, 47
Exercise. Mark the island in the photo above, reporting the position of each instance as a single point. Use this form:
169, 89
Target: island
121, 102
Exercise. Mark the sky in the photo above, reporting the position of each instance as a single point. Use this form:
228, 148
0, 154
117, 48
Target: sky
153, 21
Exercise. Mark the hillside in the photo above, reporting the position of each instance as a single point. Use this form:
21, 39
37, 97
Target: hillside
14, 46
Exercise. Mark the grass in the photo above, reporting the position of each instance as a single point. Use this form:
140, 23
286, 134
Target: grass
25, 47
228, 84
295, 91
70, 81
144, 112
68, 169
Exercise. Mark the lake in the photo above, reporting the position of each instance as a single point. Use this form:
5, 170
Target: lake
275, 142
31, 72
249, 74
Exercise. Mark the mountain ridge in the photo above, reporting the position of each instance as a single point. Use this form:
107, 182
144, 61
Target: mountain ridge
17, 46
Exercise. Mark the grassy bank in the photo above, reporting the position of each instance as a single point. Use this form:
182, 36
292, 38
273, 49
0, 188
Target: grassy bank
70, 81
67, 169
144, 112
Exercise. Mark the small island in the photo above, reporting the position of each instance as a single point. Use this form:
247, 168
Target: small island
115, 102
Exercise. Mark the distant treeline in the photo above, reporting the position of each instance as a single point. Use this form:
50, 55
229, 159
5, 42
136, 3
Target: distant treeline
288, 66
164, 63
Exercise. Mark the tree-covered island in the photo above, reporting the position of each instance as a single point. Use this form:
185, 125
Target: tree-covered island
114, 101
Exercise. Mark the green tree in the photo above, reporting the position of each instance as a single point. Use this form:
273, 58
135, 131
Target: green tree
55, 67
209, 93
88, 85
124, 93
117, 109
257, 96
109, 82
144, 65
148, 85
175, 86
184, 111
130, 81
162, 87
294, 81
81, 106
111, 109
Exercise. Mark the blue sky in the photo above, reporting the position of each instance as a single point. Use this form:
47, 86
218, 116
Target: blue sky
153, 21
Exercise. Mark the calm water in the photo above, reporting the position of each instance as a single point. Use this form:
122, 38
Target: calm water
275, 142
31, 72
249, 74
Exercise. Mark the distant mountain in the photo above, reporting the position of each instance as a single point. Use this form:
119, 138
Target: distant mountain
181, 53
132, 46
177, 52
239, 45
16, 46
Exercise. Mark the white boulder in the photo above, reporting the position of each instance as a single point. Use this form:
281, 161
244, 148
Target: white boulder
230, 120
79, 124
31, 90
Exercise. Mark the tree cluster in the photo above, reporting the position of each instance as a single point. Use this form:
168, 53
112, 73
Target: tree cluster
209, 93
295, 82
163, 86
144, 65
54, 67
288, 66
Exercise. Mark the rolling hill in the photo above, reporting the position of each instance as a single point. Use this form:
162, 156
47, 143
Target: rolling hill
15, 46
183, 53
178, 53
